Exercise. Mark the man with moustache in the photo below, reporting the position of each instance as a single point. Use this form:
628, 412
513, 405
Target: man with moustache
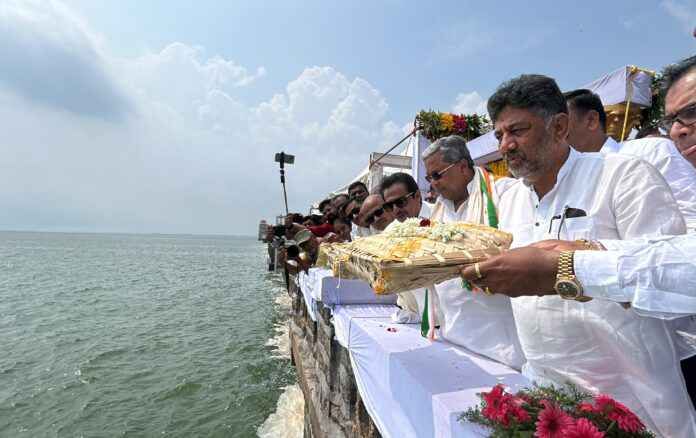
480, 322
656, 276
562, 193
680, 106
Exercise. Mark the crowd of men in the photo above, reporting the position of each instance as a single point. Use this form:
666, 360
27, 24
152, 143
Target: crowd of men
600, 286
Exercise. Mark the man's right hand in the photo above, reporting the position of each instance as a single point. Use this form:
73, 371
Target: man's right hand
526, 271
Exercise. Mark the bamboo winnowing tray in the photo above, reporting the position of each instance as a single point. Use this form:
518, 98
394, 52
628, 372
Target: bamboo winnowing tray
394, 264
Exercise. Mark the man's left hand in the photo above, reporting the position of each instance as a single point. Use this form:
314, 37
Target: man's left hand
519, 272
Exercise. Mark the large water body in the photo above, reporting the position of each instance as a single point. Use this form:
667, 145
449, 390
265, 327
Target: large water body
142, 335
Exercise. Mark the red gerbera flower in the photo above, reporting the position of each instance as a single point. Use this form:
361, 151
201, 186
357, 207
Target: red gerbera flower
583, 428
616, 411
553, 421
586, 407
493, 401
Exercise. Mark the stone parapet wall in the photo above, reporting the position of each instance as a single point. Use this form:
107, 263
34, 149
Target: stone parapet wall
333, 407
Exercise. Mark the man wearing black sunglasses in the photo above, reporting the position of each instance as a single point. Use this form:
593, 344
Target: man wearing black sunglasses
402, 196
372, 214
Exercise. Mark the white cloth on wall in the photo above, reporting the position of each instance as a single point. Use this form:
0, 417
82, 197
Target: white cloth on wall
482, 323
679, 173
413, 387
599, 345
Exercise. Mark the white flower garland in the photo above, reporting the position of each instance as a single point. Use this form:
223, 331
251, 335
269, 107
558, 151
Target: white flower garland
437, 231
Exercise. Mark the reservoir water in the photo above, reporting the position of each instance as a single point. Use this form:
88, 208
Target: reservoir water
107, 335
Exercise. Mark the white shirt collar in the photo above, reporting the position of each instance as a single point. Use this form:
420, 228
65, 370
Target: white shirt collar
610, 146
449, 205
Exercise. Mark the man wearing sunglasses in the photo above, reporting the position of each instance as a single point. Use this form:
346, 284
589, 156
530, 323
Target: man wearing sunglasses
350, 214
402, 197
477, 321
373, 216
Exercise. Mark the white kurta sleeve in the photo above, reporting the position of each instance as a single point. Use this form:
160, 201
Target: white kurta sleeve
679, 173
638, 188
657, 276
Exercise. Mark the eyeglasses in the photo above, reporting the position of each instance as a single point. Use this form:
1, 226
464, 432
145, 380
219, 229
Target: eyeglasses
439, 174
373, 216
399, 203
686, 116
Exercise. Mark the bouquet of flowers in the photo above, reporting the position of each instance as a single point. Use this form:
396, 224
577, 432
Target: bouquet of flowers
549, 412
435, 124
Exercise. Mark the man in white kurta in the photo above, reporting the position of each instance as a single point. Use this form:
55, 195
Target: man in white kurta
482, 323
565, 194
587, 133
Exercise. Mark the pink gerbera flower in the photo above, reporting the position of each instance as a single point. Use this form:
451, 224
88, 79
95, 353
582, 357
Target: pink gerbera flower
552, 422
583, 428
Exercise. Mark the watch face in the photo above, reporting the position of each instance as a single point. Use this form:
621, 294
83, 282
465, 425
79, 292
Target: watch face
566, 288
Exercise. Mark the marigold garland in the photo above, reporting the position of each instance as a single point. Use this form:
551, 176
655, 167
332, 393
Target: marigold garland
435, 124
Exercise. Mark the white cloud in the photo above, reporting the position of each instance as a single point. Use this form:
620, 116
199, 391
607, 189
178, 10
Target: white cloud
49, 58
682, 11
469, 103
185, 153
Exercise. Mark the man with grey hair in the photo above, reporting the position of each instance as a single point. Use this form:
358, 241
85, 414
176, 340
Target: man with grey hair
480, 322
561, 193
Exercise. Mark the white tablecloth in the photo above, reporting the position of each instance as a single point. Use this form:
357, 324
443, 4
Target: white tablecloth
319, 287
410, 386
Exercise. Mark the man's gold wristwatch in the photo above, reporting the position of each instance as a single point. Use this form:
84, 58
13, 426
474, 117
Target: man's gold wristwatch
567, 286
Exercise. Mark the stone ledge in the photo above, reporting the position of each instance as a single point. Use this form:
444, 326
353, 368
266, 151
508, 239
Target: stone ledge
333, 407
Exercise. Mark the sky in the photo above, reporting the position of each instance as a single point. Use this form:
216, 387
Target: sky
164, 116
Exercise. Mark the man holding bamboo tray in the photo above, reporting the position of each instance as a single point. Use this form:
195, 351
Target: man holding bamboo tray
481, 322
600, 346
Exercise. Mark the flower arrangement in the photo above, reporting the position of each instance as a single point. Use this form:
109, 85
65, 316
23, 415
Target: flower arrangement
424, 228
435, 124
549, 412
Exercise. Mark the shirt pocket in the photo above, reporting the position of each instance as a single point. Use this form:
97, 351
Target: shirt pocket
578, 228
